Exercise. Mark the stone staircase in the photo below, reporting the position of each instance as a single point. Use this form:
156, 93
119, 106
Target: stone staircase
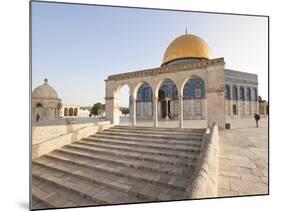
118, 165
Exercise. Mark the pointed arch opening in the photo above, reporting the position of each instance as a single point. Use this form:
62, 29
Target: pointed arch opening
144, 102
168, 105
124, 104
194, 98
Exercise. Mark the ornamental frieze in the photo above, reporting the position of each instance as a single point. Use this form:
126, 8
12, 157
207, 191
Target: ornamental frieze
166, 69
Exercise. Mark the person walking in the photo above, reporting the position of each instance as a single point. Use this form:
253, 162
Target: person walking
257, 118
37, 117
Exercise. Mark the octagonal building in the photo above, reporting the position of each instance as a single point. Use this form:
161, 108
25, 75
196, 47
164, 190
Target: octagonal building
190, 77
46, 104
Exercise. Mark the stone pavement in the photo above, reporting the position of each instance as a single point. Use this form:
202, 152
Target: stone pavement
243, 158
64, 120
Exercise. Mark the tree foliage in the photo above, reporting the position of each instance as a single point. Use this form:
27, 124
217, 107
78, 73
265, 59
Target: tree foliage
97, 109
125, 111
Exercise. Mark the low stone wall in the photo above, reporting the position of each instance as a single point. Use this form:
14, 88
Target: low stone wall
48, 138
205, 179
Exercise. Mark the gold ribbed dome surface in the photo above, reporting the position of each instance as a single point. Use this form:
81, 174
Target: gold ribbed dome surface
187, 46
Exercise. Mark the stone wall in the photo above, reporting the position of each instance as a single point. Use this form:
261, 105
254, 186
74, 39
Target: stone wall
205, 179
48, 138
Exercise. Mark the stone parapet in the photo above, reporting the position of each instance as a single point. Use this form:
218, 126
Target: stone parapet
205, 179
48, 138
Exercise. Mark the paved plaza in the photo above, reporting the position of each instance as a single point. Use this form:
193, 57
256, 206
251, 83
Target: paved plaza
243, 158
72, 120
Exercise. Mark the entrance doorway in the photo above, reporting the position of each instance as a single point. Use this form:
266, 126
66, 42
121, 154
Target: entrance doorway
164, 111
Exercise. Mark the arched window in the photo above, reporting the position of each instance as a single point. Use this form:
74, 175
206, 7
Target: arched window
65, 113
165, 89
39, 105
242, 93
197, 91
248, 94
144, 93
75, 111
187, 91
139, 95
147, 94
255, 97
227, 92
194, 88
175, 92
70, 112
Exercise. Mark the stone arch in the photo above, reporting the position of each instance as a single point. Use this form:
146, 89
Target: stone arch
183, 83
38, 112
70, 111
248, 94
39, 105
65, 111
242, 93
117, 102
194, 94
160, 82
168, 107
138, 85
195, 79
119, 87
235, 92
143, 95
75, 113
255, 94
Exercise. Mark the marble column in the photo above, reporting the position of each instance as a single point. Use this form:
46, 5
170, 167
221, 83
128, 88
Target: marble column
231, 101
167, 112
155, 111
238, 101
244, 103
180, 111
134, 111
111, 110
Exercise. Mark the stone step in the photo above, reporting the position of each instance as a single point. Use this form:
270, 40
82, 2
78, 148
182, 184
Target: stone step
78, 181
144, 128
177, 148
165, 184
162, 152
145, 135
118, 155
188, 142
128, 172
38, 203
53, 195
151, 131
141, 167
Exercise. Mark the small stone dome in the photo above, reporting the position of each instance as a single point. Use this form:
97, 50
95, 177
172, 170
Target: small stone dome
45, 91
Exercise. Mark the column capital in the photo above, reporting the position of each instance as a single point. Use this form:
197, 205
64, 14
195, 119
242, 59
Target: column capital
155, 98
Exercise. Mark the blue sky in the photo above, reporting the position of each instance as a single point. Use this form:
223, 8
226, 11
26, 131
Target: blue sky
76, 46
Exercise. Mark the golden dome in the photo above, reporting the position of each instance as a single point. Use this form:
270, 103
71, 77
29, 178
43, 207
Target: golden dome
187, 46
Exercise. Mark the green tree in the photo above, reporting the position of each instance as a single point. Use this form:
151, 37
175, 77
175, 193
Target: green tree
125, 111
97, 109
